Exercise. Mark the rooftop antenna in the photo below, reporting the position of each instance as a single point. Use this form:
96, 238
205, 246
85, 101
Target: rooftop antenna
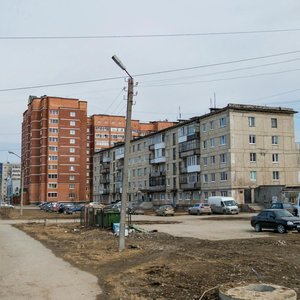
179, 113
210, 102
215, 101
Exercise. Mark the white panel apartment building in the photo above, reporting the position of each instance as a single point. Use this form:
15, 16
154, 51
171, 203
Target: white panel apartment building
244, 151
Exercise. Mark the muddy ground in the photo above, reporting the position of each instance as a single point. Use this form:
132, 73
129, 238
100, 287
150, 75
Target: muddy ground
160, 266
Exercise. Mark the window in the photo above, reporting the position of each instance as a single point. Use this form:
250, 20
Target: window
224, 193
53, 121
51, 176
205, 178
205, 195
213, 194
52, 167
253, 157
223, 122
204, 144
72, 132
223, 176
274, 139
53, 130
52, 195
204, 127
53, 112
213, 177
274, 122
72, 159
53, 157
212, 125
72, 168
72, 150
72, 123
72, 141
52, 185
252, 139
72, 195
275, 158
223, 140
212, 142
72, 177
53, 139
223, 158
72, 114
72, 186
53, 148
251, 121
205, 161
253, 175
213, 159
275, 175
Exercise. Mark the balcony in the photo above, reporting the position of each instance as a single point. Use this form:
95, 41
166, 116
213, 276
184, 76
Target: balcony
157, 173
157, 188
104, 180
190, 186
104, 170
104, 192
191, 152
157, 160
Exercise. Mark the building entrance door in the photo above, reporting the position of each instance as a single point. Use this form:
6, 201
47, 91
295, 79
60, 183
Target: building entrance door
247, 195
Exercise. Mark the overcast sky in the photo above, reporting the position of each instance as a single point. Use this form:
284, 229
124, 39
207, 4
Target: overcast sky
272, 80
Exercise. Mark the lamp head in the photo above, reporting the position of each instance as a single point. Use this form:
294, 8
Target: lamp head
118, 62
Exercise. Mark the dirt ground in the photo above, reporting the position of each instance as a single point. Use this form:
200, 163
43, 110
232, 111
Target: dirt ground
160, 266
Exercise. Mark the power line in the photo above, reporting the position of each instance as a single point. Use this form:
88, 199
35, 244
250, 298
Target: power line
224, 79
220, 72
74, 37
152, 73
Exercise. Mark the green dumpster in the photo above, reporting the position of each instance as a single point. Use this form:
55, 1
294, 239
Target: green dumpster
109, 217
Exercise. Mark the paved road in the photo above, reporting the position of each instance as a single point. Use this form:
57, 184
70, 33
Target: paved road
28, 270
204, 227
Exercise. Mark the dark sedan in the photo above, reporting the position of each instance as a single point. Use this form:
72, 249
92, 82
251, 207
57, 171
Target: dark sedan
277, 219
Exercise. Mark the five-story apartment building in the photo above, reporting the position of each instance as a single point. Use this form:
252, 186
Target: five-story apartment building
243, 151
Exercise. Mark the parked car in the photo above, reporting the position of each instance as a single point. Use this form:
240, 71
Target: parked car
63, 206
199, 209
73, 209
6, 205
165, 210
135, 211
115, 207
279, 220
288, 206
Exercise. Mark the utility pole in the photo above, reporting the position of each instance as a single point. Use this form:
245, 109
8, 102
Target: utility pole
126, 155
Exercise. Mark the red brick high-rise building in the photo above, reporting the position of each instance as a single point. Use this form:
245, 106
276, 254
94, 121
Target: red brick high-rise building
54, 149
58, 143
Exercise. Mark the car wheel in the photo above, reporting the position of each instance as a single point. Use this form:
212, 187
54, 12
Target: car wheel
257, 227
299, 231
198, 212
281, 228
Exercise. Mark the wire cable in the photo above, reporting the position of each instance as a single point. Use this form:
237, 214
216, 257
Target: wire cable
147, 35
152, 73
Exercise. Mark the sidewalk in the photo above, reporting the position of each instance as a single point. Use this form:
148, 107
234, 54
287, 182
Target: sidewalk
28, 270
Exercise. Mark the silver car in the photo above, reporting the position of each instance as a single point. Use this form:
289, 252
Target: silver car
165, 210
199, 209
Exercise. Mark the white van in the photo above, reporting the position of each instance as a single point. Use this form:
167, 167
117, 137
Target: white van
223, 205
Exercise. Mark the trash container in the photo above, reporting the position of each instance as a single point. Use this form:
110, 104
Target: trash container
110, 216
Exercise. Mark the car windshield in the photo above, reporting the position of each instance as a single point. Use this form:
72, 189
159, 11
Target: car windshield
230, 202
283, 213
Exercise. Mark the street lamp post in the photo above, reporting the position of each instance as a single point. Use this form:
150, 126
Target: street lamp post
22, 182
126, 154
